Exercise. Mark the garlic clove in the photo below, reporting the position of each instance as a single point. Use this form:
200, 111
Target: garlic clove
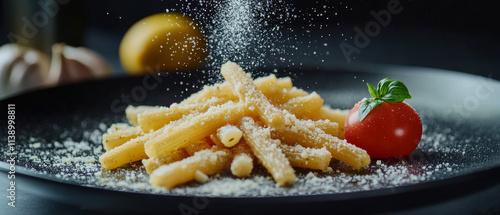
71, 64
22, 68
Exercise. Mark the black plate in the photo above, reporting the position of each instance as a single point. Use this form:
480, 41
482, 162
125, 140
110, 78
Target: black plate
459, 153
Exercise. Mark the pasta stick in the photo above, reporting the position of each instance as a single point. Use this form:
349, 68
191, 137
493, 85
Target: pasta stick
229, 135
331, 128
200, 177
311, 137
267, 83
284, 83
334, 115
153, 163
285, 95
268, 152
117, 127
116, 138
197, 128
242, 164
208, 162
133, 111
270, 85
221, 90
310, 158
304, 105
253, 97
132, 150
153, 120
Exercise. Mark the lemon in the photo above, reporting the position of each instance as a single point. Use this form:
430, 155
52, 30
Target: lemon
163, 42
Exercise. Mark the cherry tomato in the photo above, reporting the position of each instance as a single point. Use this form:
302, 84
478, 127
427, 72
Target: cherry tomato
389, 130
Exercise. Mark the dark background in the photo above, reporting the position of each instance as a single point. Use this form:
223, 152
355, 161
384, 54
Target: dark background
453, 35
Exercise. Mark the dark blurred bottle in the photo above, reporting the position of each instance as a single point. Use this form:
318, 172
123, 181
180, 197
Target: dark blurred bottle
39, 24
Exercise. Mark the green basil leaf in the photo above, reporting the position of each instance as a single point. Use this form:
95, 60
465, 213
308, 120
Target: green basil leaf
396, 92
391, 91
383, 86
390, 98
367, 106
373, 92
388, 90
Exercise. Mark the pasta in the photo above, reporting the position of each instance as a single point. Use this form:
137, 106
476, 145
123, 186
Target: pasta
197, 146
153, 163
304, 105
268, 151
197, 128
134, 149
233, 126
131, 112
310, 158
157, 118
206, 161
308, 136
229, 135
251, 96
242, 165
116, 138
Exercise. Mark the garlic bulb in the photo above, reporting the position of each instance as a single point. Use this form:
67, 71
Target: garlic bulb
22, 68
70, 64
